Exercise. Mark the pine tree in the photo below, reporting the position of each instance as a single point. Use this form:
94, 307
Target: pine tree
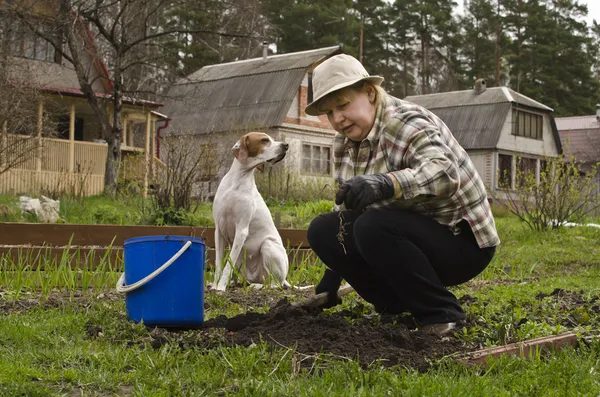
550, 61
484, 42
308, 24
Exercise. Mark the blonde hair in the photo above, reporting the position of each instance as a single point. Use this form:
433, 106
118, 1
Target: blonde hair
342, 95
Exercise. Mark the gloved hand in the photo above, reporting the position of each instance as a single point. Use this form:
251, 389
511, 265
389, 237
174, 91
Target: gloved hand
361, 191
330, 283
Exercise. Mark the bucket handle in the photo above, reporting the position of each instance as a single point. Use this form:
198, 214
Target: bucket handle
121, 287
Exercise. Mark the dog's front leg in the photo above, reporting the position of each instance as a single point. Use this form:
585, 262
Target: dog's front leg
236, 249
219, 254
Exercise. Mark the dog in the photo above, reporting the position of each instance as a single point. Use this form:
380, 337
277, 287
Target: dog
243, 220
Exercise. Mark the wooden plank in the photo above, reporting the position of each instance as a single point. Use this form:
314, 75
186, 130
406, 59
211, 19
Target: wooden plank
91, 258
40, 234
90, 235
523, 349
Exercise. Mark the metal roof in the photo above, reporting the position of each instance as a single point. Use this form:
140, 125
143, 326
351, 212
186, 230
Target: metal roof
577, 123
469, 97
580, 136
475, 127
293, 60
476, 120
239, 96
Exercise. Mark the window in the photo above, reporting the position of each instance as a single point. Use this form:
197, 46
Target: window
316, 160
27, 44
504, 171
526, 170
526, 124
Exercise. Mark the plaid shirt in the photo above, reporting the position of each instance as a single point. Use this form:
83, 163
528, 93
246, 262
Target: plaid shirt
432, 173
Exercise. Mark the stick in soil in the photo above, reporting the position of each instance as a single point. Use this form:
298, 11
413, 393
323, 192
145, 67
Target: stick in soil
342, 231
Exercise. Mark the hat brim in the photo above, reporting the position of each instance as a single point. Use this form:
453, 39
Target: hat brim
311, 108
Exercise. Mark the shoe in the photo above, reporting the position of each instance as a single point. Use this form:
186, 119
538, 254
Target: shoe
441, 330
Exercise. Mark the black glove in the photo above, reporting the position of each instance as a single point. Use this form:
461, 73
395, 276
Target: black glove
361, 191
330, 283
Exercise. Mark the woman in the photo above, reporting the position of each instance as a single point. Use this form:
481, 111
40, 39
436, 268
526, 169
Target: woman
413, 212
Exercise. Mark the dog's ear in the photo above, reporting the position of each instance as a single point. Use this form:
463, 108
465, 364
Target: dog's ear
240, 149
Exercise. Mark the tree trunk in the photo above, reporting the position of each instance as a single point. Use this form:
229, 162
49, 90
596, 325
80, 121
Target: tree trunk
113, 158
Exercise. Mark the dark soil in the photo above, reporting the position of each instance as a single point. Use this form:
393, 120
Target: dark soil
386, 340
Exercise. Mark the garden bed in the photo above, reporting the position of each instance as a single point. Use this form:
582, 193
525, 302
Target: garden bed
311, 334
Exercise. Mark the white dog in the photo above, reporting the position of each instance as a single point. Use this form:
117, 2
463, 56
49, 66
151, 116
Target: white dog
242, 219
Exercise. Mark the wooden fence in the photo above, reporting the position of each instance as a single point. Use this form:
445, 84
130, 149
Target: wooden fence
87, 245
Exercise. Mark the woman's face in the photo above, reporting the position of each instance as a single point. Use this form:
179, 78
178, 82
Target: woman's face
351, 112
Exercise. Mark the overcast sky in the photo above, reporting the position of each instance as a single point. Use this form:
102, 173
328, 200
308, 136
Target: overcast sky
593, 10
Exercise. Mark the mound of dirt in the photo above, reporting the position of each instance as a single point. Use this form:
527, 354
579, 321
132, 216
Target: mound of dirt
386, 340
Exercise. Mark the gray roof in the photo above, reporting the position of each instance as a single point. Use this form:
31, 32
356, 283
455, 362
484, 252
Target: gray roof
577, 123
468, 97
239, 96
580, 137
476, 120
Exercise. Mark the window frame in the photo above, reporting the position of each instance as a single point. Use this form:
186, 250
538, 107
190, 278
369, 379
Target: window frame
325, 153
527, 124
500, 177
25, 43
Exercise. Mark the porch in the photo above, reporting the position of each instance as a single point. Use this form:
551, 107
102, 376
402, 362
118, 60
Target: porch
72, 160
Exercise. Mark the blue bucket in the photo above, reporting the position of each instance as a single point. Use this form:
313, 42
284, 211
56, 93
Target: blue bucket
164, 280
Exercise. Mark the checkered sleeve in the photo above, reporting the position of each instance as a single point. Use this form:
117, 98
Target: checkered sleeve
425, 165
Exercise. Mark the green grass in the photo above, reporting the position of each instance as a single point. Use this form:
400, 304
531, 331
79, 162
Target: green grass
131, 210
46, 348
48, 352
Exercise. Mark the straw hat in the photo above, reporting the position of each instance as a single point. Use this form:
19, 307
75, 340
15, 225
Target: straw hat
335, 73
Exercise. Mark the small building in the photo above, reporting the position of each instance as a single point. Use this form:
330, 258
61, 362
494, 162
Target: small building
60, 149
500, 129
217, 104
580, 137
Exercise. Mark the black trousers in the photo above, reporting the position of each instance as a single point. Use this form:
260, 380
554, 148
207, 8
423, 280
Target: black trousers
400, 260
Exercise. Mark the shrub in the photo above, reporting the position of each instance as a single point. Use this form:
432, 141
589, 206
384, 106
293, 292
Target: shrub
564, 193
106, 214
282, 185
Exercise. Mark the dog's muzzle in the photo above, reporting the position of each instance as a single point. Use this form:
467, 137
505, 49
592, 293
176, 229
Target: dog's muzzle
283, 148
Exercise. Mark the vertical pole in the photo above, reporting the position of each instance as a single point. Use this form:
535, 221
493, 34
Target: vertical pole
125, 129
147, 150
360, 44
3, 144
130, 136
153, 148
72, 139
40, 121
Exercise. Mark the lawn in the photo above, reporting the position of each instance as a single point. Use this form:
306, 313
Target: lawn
57, 338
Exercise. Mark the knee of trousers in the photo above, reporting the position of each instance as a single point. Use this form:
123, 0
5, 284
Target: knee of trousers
320, 230
369, 229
